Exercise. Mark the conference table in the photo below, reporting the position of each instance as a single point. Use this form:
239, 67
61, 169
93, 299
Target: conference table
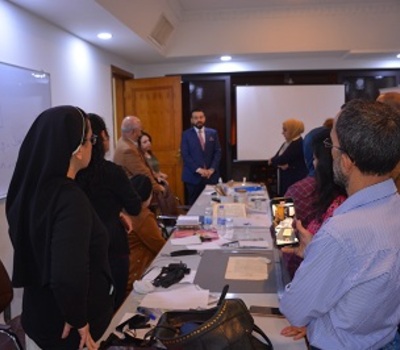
209, 267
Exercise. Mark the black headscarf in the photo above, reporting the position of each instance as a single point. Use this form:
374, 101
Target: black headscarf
142, 184
92, 178
39, 174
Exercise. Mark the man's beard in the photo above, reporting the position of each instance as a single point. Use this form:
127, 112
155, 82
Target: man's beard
339, 177
199, 125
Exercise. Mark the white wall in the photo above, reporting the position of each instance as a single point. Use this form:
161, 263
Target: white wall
261, 110
80, 75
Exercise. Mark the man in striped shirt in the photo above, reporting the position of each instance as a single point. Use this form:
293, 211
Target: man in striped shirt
347, 289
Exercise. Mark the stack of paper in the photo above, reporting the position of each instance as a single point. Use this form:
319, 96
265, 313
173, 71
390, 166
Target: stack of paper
188, 297
188, 220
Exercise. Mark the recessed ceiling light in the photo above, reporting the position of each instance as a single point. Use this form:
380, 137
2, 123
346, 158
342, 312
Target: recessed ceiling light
104, 36
225, 58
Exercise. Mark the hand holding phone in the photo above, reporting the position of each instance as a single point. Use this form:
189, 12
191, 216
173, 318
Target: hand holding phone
283, 218
305, 238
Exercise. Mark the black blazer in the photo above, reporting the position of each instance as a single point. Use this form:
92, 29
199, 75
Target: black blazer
297, 170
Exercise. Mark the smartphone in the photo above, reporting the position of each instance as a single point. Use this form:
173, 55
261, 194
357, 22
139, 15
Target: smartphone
283, 215
265, 311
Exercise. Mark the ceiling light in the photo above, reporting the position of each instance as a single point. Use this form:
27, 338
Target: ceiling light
398, 56
104, 36
225, 58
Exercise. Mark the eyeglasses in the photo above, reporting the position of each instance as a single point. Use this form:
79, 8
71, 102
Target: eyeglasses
92, 139
328, 144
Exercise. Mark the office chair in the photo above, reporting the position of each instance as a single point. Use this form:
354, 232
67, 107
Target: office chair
167, 207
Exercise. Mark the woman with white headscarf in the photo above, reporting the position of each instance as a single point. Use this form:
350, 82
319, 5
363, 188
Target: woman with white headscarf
289, 159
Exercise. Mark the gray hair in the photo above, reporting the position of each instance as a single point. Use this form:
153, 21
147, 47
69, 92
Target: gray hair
129, 124
369, 133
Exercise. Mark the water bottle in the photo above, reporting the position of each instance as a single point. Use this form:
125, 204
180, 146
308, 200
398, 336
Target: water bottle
242, 195
221, 220
208, 218
229, 232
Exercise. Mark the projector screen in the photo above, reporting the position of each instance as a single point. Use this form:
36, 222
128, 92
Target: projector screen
262, 109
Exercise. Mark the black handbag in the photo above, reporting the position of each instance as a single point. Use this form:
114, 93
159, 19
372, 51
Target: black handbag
229, 326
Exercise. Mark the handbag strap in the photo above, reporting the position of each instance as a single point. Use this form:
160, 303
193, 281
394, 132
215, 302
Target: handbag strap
223, 294
259, 331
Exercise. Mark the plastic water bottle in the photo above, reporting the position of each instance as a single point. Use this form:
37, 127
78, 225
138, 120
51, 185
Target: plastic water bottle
229, 231
208, 218
221, 220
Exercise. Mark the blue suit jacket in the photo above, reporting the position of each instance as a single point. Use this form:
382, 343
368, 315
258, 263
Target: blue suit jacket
194, 157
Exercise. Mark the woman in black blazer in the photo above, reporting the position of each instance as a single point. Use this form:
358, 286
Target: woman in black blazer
289, 160
110, 192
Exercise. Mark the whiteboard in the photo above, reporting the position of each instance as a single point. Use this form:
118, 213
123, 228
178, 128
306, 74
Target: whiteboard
24, 94
261, 110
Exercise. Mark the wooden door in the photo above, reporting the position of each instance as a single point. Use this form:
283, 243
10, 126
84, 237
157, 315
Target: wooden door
158, 104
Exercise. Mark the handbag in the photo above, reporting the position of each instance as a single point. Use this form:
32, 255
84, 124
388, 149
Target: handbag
228, 326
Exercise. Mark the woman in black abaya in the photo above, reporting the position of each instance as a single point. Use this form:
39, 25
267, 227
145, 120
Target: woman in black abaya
110, 192
60, 245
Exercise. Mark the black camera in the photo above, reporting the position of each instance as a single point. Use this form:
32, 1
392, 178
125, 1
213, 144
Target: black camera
171, 274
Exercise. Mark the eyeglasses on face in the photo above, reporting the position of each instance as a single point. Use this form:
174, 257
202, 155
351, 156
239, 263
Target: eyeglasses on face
92, 139
328, 144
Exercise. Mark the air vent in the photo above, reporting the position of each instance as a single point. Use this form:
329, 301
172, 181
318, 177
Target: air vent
162, 31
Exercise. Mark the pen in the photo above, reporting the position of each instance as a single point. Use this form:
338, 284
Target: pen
229, 243
147, 312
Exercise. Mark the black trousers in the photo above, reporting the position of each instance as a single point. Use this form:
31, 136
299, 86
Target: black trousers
119, 265
194, 191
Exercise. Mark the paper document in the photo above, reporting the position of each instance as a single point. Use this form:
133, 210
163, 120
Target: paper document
231, 210
186, 240
203, 234
252, 221
253, 244
186, 297
205, 246
247, 268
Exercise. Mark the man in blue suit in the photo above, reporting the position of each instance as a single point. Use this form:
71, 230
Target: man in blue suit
201, 154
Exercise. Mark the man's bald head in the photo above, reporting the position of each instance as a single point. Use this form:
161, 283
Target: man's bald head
131, 127
390, 98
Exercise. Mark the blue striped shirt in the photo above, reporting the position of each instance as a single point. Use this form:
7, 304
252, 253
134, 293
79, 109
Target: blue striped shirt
347, 289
